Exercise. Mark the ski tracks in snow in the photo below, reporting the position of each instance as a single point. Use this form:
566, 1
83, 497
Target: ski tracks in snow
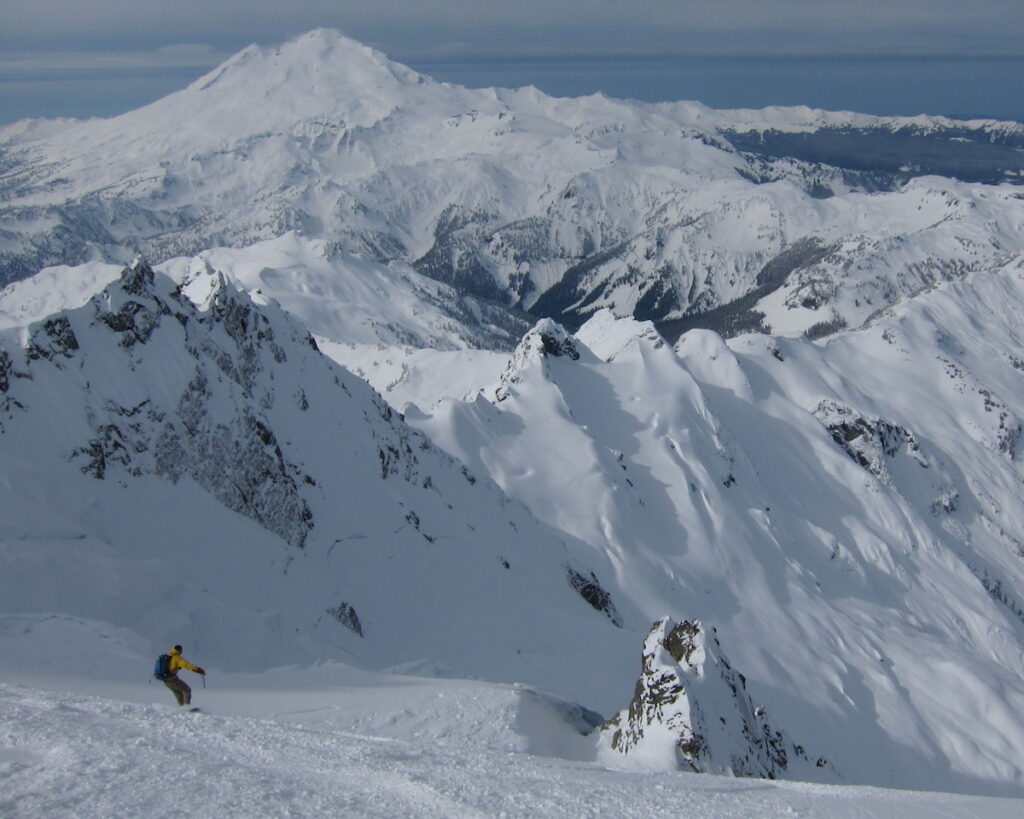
70, 755
77, 756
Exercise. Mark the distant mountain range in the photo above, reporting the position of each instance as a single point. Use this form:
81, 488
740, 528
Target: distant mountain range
782, 219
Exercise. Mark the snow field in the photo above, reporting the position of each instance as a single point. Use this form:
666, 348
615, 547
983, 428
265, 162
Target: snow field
66, 754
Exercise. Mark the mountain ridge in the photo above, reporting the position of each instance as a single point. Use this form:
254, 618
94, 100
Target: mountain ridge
842, 511
786, 492
178, 459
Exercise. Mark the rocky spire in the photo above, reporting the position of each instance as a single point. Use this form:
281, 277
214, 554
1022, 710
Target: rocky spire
691, 712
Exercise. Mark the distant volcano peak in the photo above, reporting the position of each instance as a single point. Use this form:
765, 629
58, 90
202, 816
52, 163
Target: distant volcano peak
322, 62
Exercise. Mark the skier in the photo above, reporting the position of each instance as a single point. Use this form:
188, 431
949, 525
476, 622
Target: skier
181, 690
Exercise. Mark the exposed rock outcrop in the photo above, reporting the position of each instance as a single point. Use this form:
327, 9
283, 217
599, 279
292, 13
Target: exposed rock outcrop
869, 441
547, 338
691, 712
214, 428
345, 614
590, 589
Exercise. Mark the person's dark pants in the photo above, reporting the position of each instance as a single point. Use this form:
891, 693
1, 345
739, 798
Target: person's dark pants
182, 693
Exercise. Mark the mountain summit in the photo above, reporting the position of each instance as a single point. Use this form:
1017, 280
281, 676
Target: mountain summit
321, 73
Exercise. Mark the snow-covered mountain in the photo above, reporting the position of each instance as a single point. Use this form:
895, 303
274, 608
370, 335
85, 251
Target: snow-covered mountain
184, 462
789, 218
826, 534
846, 516
339, 297
179, 458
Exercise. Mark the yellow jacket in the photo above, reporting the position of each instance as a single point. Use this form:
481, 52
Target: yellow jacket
178, 662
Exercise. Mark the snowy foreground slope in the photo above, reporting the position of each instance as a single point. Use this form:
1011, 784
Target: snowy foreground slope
801, 219
84, 735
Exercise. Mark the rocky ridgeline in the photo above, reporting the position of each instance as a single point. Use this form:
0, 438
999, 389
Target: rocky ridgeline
213, 431
691, 712
197, 382
547, 338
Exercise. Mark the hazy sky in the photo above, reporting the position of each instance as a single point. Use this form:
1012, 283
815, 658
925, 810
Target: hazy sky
433, 27
65, 52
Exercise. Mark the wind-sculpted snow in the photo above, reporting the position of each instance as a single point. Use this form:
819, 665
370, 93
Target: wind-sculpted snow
559, 206
847, 513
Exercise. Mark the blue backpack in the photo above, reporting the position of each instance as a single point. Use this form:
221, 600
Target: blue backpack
163, 667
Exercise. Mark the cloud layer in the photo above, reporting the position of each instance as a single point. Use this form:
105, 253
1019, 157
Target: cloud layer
437, 27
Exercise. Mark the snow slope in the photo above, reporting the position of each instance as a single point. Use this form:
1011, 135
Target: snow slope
180, 463
81, 734
562, 206
846, 515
